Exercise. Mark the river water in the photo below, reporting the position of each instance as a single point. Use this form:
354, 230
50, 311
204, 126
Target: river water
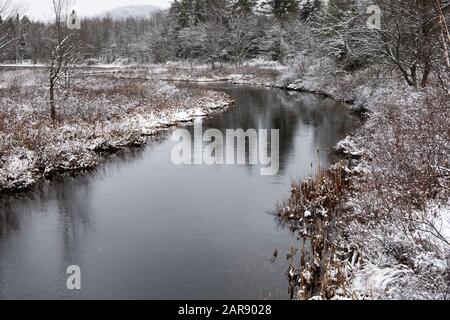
140, 227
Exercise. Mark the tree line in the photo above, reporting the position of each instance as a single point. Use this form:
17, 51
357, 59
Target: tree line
225, 30
413, 39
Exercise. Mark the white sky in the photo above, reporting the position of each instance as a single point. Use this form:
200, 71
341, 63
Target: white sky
41, 9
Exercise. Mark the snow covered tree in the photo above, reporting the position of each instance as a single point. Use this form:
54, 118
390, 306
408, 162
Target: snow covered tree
216, 35
191, 42
10, 30
308, 7
36, 41
246, 6
280, 9
244, 36
163, 37
407, 41
5, 25
188, 12
342, 4
282, 12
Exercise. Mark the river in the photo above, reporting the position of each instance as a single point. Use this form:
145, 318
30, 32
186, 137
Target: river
140, 227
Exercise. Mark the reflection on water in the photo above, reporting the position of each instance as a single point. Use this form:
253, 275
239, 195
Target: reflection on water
141, 227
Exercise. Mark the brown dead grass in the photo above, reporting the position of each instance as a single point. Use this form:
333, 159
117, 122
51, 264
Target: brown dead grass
130, 88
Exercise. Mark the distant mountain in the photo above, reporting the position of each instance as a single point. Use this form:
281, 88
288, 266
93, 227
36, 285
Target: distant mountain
143, 11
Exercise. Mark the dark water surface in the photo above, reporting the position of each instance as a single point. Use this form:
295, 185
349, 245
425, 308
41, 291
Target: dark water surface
142, 227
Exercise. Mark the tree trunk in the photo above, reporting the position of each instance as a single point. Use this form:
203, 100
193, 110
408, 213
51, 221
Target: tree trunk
426, 73
52, 102
414, 76
406, 76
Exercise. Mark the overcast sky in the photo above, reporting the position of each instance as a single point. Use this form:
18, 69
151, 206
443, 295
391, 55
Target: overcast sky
42, 8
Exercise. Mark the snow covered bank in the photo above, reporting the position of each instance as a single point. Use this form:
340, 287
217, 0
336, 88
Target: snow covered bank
258, 72
378, 222
96, 116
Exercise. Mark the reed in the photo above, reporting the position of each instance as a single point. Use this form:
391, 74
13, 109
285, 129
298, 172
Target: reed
313, 212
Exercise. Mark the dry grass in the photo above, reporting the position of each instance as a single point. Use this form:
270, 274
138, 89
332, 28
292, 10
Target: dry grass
129, 89
311, 212
259, 73
267, 74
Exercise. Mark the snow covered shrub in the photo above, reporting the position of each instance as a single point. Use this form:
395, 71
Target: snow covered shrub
409, 146
398, 204
14, 86
300, 66
262, 62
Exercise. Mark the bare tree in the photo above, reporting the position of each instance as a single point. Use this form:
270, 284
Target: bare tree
445, 33
64, 53
408, 40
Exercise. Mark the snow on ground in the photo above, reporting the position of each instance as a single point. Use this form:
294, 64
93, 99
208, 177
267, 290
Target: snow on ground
400, 200
426, 276
22, 65
402, 196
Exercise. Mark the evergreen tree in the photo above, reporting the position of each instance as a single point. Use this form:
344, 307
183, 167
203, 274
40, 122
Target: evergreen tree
188, 13
245, 6
308, 7
281, 9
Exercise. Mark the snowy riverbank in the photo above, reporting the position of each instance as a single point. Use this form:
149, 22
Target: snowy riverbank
97, 116
378, 222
